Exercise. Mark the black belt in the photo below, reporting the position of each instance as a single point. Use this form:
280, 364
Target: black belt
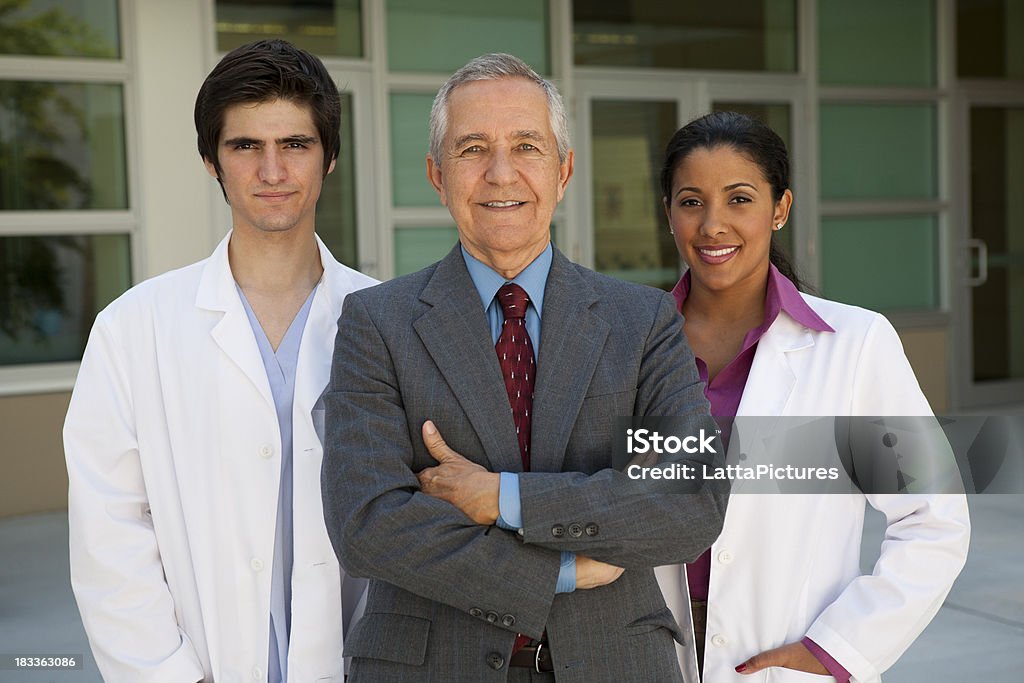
536, 657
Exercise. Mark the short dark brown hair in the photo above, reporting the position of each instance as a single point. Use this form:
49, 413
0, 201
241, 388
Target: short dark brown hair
264, 71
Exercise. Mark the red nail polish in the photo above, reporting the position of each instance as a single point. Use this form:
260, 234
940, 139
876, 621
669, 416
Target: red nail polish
741, 668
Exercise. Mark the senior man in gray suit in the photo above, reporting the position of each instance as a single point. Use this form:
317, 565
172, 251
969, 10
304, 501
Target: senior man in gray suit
509, 549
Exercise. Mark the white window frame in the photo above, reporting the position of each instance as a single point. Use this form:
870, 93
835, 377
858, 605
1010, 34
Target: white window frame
35, 378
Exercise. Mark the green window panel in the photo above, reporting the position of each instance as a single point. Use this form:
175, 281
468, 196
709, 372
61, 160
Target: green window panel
443, 35
878, 151
884, 263
67, 28
410, 116
417, 248
323, 27
62, 146
742, 35
51, 289
336, 208
990, 39
631, 236
876, 42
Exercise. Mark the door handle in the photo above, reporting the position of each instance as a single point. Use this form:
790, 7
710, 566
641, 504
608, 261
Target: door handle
982, 276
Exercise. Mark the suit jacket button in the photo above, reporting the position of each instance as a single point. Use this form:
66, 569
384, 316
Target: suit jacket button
591, 529
558, 531
495, 660
575, 530
508, 620
492, 617
476, 612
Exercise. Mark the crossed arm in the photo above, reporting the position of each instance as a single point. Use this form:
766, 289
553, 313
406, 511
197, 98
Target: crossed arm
474, 491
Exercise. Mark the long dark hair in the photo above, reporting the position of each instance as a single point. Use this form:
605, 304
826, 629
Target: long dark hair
749, 137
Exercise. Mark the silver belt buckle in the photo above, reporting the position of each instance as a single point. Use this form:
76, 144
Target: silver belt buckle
536, 658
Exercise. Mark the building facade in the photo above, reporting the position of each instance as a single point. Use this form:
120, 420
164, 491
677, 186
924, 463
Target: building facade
905, 123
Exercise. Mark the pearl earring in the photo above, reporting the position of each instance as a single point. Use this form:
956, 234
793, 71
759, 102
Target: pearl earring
778, 226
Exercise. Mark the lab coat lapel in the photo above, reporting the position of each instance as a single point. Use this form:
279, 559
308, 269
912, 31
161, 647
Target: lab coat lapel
317, 347
233, 333
769, 385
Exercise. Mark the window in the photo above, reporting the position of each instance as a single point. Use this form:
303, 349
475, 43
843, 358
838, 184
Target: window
631, 236
876, 42
440, 37
989, 35
328, 28
882, 207
65, 196
743, 35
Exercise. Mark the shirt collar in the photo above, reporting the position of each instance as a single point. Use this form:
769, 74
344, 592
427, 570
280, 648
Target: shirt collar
781, 295
533, 278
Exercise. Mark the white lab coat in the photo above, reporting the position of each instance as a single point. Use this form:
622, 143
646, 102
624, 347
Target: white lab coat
788, 565
173, 454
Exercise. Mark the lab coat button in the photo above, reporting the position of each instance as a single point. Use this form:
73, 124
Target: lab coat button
257, 673
256, 564
266, 451
718, 640
725, 557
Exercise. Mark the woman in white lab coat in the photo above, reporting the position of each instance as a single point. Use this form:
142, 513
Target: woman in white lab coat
781, 590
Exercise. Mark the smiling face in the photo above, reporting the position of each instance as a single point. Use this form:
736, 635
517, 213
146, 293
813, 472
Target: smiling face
271, 164
499, 174
722, 213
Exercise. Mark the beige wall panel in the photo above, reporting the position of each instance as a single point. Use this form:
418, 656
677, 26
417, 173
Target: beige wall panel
927, 348
175, 192
32, 473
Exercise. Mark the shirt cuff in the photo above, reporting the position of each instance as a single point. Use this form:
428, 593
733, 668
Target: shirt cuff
566, 573
510, 507
835, 668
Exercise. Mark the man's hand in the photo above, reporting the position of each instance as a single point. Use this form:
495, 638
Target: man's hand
458, 481
592, 573
794, 656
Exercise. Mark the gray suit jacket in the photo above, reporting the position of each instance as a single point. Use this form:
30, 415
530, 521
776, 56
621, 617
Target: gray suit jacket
447, 597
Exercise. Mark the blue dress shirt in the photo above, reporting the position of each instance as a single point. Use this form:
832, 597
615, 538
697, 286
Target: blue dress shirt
533, 279
280, 367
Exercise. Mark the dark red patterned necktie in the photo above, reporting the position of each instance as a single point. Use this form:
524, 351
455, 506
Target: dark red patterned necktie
515, 355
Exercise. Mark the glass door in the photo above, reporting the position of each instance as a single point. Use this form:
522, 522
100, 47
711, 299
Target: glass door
991, 281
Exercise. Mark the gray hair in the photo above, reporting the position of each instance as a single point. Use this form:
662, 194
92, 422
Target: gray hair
492, 67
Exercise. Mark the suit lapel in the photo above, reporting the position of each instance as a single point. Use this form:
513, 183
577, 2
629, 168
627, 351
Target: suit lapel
458, 339
572, 337
233, 333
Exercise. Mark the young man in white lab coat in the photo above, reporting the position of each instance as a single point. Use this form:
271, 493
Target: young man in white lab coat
198, 547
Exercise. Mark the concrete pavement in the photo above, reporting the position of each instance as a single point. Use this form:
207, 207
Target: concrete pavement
978, 634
